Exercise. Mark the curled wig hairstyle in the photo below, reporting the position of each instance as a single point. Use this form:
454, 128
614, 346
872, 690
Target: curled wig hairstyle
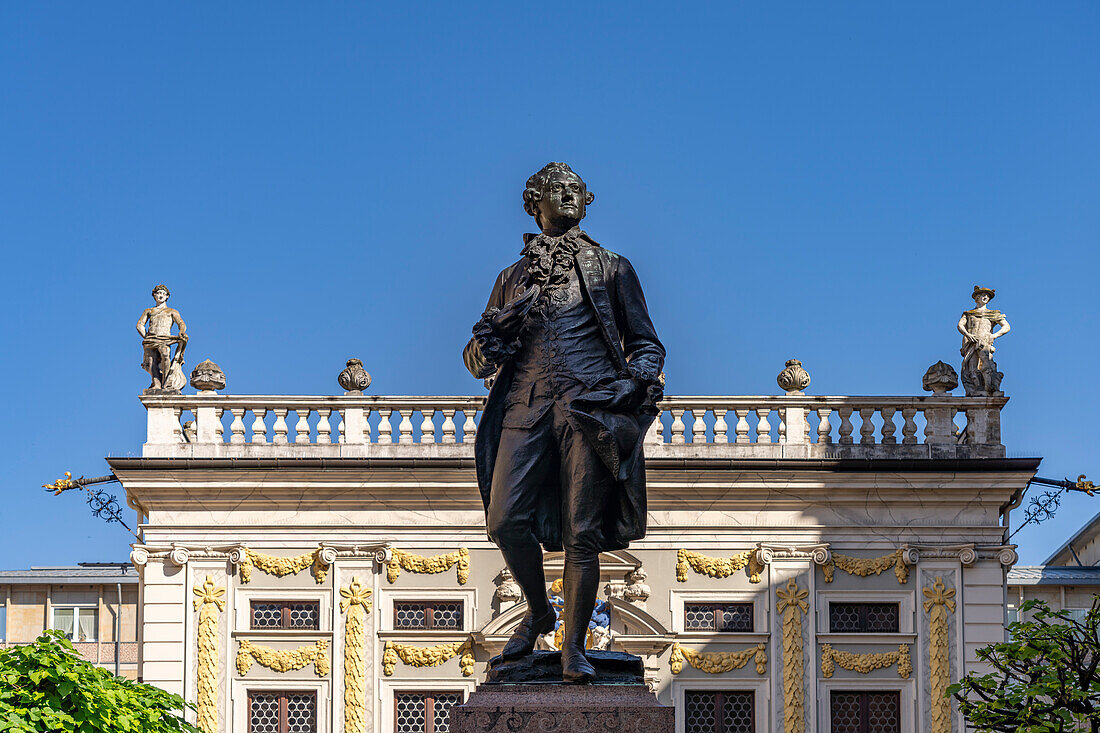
536, 184
162, 287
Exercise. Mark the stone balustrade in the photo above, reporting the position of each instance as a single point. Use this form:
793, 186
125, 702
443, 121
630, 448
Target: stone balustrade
735, 427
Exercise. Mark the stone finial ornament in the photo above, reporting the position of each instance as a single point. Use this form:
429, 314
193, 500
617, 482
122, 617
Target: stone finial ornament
980, 377
793, 379
940, 378
155, 329
354, 378
207, 376
638, 591
508, 590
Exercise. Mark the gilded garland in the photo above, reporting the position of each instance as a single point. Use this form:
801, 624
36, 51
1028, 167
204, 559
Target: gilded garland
864, 566
939, 601
792, 604
356, 604
428, 656
400, 559
209, 601
280, 566
865, 663
718, 662
284, 660
718, 567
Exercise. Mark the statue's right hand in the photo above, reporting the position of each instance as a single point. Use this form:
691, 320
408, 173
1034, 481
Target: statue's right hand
508, 322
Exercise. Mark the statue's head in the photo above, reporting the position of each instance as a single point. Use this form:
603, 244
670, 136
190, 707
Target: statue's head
556, 197
160, 294
982, 295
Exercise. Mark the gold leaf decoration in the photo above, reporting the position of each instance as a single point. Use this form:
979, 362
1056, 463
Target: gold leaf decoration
718, 567
356, 604
283, 660
280, 566
428, 656
864, 566
209, 601
400, 559
792, 604
718, 662
864, 663
939, 601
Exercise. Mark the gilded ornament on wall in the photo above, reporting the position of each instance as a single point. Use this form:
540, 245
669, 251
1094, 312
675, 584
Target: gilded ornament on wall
319, 560
402, 560
428, 656
208, 602
283, 660
718, 662
718, 567
355, 602
864, 566
940, 600
865, 663
792, 605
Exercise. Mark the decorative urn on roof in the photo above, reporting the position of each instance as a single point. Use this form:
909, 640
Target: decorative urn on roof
940, 378
207, 376
354, 378
793, 379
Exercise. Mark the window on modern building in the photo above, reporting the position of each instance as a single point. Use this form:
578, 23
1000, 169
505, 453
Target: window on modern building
286, 615
1012, 613
282, 712
863, 618
427, 614
1077, 614
719, 711
424, 712
865, 712
718, 616
76, 622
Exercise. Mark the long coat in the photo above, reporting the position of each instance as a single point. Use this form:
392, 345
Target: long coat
612, 289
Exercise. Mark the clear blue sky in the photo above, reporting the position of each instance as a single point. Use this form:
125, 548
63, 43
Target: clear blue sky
824, 181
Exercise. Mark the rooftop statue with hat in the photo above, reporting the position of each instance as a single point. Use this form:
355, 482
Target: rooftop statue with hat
979, 372
155, 328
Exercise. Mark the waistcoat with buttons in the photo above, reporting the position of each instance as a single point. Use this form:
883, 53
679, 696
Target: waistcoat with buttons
562, 352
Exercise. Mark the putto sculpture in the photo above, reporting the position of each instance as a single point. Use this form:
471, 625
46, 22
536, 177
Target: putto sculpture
979, 372
576, 361
165, 369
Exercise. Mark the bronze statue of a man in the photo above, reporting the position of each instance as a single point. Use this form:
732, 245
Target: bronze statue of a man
577, 367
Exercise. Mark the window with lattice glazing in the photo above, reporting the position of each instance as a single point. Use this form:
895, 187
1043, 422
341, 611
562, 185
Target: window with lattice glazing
719, 711
718, 616
305, 615
863, 618
424, 712
282, 712
427, 615
865, 712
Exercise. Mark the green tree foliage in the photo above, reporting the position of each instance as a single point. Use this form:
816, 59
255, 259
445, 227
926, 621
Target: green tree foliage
46, 686
1045, 680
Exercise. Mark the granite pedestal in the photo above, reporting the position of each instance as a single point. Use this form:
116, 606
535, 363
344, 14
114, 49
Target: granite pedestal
528, 695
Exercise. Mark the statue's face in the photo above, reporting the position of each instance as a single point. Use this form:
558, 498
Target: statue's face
981, 299
161, 297
563, 200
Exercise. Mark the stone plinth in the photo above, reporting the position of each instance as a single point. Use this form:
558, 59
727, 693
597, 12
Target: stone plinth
528, 695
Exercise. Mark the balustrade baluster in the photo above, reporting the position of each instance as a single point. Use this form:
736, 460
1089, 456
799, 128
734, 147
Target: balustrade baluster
469, 427
867, 428
324, 429
824, 429
655, 435
385, 427
301, 427
909, 427
677, 427
846, 428
259, 429
763, 427
279, 426
177, 426
782, 425
698, 425
427, 427
366, 425
741, 429
340, 427
405, 428
720, 426
448, 426
219, 428
888, 426
236, 428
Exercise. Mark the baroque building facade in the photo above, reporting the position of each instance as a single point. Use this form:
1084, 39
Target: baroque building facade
320, 563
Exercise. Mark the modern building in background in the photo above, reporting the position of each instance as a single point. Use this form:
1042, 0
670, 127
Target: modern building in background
319, 563
95, 604
1067, 580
